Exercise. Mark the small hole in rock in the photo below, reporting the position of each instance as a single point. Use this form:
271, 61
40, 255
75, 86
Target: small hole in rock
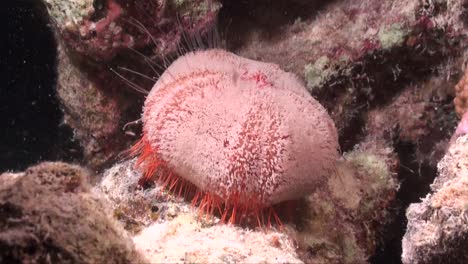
154, 208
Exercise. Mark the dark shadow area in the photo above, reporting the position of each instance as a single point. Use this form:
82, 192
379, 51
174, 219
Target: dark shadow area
238, 17
29, 110
415, 181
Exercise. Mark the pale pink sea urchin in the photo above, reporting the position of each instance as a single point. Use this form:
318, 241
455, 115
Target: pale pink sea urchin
245, 133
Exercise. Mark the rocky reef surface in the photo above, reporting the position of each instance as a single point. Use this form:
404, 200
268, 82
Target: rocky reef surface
166, 228
101, 40
438, 226
339, 229
49, 216
386, 71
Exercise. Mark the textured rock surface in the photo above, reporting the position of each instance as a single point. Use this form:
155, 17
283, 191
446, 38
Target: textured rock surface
345, 224
384, 69
420, 115
338, 224
356, 54
134, 206
99, 29
168, 229
462, 128
185, 240
94, 115
49, 216
437, 229
95, 37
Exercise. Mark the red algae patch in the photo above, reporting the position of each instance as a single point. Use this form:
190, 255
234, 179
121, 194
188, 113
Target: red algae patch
245, 134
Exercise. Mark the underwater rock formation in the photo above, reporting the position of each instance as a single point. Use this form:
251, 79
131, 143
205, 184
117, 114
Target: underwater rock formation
384, 69
98, 30
437, 229
48, 215
94, 115
96, 39
351, 57
166, 228
345, 224
341, 223
354, 55
185, 239
421, 115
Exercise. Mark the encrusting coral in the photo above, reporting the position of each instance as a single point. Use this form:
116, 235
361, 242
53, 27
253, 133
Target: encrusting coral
243, 132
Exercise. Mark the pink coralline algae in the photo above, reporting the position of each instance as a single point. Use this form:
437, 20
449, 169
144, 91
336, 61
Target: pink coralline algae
244, 134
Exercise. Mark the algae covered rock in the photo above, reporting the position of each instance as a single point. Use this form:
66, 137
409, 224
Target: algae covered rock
355, 54
437, 230
94, 114
101, 45
49, 216
167, 228
99, 30
185, 239
341, 223
345, 223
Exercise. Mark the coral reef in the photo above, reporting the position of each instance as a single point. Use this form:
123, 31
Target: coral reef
100, 29
354, 55
385, 71
49, 216
417, 124
437, 229
351, 57
419, 114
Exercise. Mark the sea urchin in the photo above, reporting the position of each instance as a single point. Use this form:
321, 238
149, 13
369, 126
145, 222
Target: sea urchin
245, 133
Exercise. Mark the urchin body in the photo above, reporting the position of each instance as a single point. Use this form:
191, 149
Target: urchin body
242, 131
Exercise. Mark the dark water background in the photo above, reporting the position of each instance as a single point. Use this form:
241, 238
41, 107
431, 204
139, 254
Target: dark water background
30, 115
